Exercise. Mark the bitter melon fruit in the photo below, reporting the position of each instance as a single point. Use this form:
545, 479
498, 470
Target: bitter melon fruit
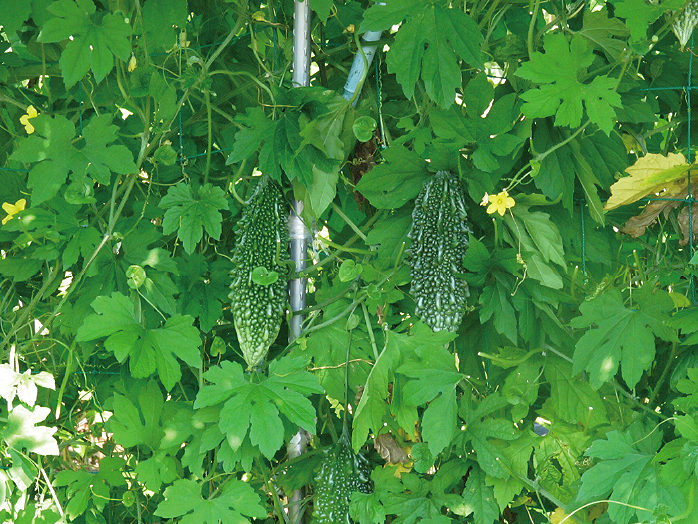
439, 236
342, 473
685, 22
262, 241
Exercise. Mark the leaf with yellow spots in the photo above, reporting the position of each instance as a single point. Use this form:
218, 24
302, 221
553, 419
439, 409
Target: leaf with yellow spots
650, 175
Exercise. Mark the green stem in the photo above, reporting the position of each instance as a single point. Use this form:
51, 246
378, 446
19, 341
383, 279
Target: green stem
277, 503
345, 248
309, 270
349, 222
66, 377
207, 169
534, 486
665, 373
359, 49
509, 362
369, 327
532, 28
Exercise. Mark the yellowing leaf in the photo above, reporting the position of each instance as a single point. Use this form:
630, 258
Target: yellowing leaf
651, 174
558, 516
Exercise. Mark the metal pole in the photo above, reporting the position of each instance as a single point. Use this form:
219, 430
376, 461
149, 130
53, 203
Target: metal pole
359, 67
298, 236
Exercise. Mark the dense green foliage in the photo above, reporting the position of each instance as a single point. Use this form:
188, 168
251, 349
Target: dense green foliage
139, 140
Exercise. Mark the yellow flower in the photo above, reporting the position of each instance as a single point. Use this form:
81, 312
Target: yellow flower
13, 209
24, 120
499, 203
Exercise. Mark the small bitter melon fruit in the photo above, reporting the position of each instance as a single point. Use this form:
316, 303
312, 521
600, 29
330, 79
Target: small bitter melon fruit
685, 22
342, 473
262, 241
439, 236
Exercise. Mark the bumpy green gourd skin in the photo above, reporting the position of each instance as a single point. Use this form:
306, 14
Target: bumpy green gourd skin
342, 473
685, 22
439, 242
262, 241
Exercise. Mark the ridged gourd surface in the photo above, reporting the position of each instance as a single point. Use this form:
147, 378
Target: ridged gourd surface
342, 473
262, 241
439, 236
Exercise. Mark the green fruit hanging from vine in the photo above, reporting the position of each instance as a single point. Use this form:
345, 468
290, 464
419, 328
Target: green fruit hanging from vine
260, 274
439, 236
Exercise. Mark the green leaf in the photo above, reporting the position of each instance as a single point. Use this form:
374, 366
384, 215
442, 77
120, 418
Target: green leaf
22, 431
384, 15
159, 20
372, 408
51, 147
94, 43
436, 378
627, 470
495, 300
130, 428
573, 400
236, 501
208, 286
544, 234
157, 470
604, 33
561, 94
428, 44
393, 183
328, 346
479, 499
349, 270
622, 336
14, 15
322, 8
640, 15
264, 277
253, 408
364, 127
83, 486
189, 212
147, 349
390, 235
248, 140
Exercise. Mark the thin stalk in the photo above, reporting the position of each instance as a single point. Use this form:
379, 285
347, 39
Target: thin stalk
345, 248
369, 327
349, 222
532, 28
277, 503
665, 373
207, 169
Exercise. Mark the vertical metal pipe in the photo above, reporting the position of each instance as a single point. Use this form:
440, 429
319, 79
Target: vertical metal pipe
359, 67
301, 44
298, 235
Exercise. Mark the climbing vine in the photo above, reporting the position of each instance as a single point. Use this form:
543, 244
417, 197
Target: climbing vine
133, 134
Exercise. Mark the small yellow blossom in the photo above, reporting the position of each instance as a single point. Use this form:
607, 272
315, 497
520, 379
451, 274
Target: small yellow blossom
13, 209
24, 119
499, 203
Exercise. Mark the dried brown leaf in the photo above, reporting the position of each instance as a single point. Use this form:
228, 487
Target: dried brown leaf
389, 450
